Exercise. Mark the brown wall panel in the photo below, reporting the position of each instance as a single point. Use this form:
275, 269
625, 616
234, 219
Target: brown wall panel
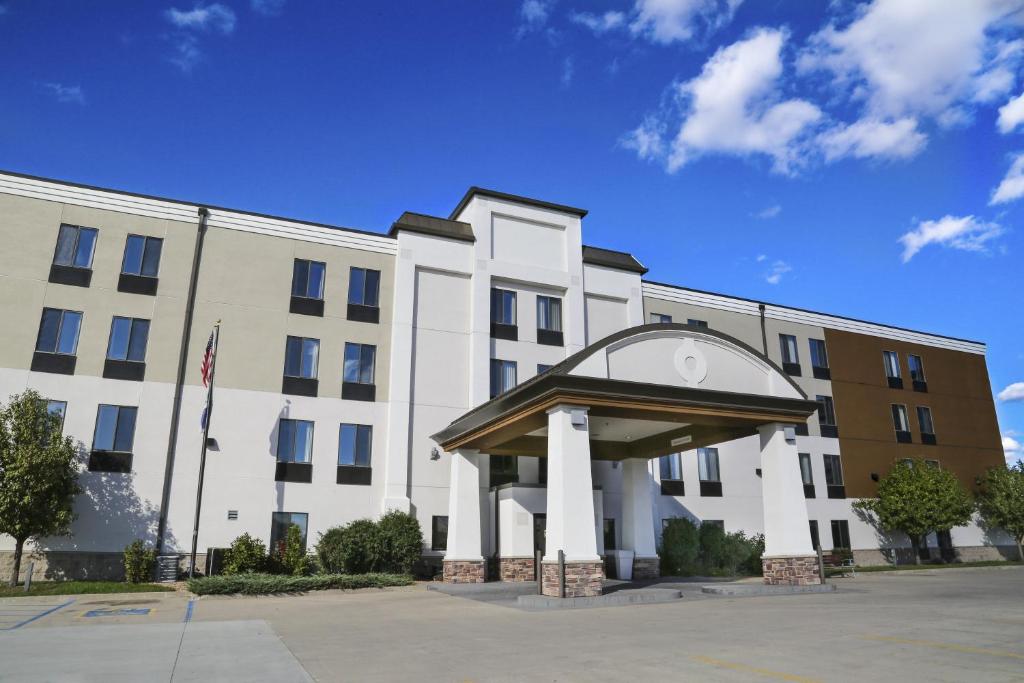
959, 395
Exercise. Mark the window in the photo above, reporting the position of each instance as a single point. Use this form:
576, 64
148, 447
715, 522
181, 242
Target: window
696, 323
503, 314
503, 376
924, 419
917, 372
75, 247
300, 357
354, 445
707, 469
840, 534
827, 417
834, 476
891, 360
439, 533
720, 523
815, 543
112, 439
901, 423
294, 451
933, 463
806, 474
790, 354
819, 359
671, 468
549, 320
358, 380
308, 287
609, 535
364, 295
660, 318
142, 256
363, 286
504, 469
279, 524
58, 331
128, 338
542, 368
57, 341
58, 409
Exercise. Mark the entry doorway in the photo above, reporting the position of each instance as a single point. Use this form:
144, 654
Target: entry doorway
540, 531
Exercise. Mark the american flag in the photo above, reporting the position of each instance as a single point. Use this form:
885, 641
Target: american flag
207, 366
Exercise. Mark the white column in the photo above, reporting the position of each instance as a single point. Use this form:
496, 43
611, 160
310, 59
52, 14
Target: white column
570, 512
464, 540
637, 508
786, 532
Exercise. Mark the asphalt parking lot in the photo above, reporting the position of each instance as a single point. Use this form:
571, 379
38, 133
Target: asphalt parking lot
943, 625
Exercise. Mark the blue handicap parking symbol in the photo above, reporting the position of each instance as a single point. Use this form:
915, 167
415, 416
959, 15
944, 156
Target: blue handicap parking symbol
130, 612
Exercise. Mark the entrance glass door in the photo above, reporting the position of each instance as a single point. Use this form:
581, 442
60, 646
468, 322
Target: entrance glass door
540, 528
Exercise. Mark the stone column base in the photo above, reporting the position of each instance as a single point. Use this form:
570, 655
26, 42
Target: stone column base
791, 571
464, 571
646, 567
582, 579
516, 569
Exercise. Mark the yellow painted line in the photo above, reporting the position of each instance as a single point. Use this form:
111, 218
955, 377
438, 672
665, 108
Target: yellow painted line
947, 646
735, 666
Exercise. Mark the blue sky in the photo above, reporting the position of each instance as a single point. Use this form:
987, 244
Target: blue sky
854, 157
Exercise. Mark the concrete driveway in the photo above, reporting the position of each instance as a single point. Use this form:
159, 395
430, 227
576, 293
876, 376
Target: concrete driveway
942, 625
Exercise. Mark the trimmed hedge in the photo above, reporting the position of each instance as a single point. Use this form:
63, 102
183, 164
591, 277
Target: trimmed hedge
269, 584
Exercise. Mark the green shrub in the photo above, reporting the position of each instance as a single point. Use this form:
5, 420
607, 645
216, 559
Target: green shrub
139, 562
401, 542
329, 550
680, 548
290, 553
361, 551
707, 550
267, 584
752, 564
246, 555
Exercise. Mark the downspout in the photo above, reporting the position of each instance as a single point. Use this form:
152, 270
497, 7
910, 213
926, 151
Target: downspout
186, 336
764, 334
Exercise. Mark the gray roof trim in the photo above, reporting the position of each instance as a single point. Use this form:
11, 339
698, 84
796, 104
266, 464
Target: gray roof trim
608, 258
515, 199
432, 225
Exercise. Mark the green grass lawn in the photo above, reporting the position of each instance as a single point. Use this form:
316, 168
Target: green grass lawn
80, 588
832, 571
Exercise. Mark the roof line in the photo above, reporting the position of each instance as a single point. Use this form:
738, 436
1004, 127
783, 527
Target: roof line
183, 202
810, 310
518, 199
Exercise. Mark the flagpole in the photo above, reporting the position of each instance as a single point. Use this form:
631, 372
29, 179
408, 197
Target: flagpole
202, 457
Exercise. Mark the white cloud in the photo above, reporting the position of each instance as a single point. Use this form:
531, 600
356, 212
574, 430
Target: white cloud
3, 10
1014, 392
66, 94
535, 13
647, 139
917, 57
761, 258
770, 212
733, 107
965, 233
668, 21
1012, 185
600, 23
568, 70
267, 7
204, 17
1013, 450
898, 139
778, 269
186, 52
1011, 114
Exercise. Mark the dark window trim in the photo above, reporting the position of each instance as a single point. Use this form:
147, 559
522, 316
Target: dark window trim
57, 363
300, 386
70, 275
304, 305
801, 429
137, 284
355, 475
356, 391
363, 314
295, 472
550, 337
673, 487
809, 491
116, 462
837, 491
921, 385
821, 373
928, 439
711, 489
829, 431
130, 370
503, 331
895, 382
435, 544
792, 369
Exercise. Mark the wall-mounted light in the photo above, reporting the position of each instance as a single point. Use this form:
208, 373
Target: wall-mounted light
435, 454
874, 476
579, 418
790, 433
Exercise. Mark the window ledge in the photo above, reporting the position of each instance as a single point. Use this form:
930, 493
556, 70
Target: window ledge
137, 284
791, 369
363, 314
130, 370
673, 487
809, 491
711, 489
296, 472
306, 306
904, 437
837, 491
928, 439
895, 382
355, 391
503, 331
921, 386
355, 475
110, 461
829, 431
550, 338
822, 373
300, 386
70, 275
57, 363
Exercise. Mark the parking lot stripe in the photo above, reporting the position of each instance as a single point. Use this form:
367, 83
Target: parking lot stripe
39, 615
188, 610
947, 646
736, 666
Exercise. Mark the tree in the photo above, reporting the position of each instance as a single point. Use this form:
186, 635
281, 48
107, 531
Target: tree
1001, 501
917, 499
38, 474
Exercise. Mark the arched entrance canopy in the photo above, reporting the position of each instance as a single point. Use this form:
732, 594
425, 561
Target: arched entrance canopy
650, 390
